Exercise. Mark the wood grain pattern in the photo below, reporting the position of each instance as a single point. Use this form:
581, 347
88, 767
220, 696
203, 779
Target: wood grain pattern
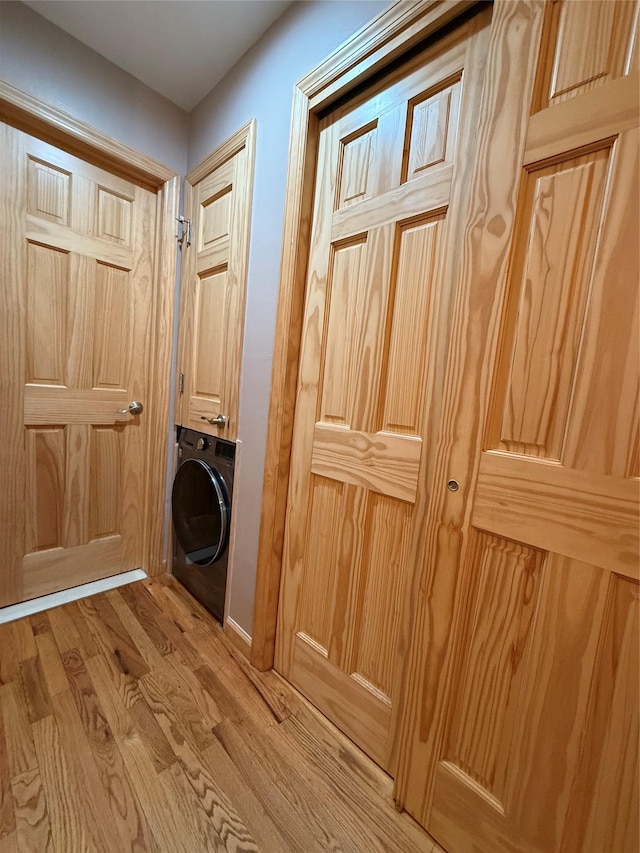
33, 829
360, 368
387, 463
71, 828
498, 631
7, 815
237, 779
60, 568
501, 131
88, 308
563, 205
46, 449
214, 270
591, 47
12, 370
531, 639
578, 123
590, 518
381, 41
57, 204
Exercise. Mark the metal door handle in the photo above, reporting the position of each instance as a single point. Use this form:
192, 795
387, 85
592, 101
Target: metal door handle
219, 420
135, 407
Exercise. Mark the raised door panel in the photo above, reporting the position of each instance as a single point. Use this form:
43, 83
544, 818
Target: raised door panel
379, 280
218, 201
80, 305
542, 677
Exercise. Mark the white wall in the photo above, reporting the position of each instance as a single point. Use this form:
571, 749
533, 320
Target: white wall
260, 86
42, 60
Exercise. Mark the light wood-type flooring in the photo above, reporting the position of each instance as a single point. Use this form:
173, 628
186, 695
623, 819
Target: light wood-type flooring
128, 722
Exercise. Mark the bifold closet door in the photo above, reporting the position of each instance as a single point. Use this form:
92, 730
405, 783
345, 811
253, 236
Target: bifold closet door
391, 196
523, 689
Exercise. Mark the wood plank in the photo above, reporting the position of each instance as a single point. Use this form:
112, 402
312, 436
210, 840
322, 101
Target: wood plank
344, 699
7, 817
17, 731
176, 608
148, 615
41, 231
89, 646
205, 782
70, 829
49, 656
166, 821
18, 644
212, 644
93, 783
325, 754
403, 202
35, 689
147, 648
169, 694
93, 797
48, 405
33, 829
583, 120
128, 817
164, 633
384, 462
55, 569
111, 636
65, 633
197, 831
287, 809
578, 514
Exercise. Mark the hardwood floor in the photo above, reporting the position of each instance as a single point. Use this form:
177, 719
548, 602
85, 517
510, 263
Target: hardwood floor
129, 722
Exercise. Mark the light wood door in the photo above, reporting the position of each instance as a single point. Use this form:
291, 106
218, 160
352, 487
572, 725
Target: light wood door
524, 690
391, 194
218, 196
75, 344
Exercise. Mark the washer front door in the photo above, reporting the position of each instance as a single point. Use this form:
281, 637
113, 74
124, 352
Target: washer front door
201, 512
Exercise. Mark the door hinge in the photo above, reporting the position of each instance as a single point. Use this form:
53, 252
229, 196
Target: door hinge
184, 231
181, 383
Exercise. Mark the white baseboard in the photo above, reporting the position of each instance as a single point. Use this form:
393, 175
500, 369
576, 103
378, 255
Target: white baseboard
54, 599
238, 637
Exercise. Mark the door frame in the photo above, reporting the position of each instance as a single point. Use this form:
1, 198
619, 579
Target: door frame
28, 114
386, 38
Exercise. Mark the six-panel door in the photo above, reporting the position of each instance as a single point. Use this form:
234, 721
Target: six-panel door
78, 285
523, 697
391, 194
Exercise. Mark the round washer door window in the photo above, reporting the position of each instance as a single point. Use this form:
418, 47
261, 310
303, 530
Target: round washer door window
200, 512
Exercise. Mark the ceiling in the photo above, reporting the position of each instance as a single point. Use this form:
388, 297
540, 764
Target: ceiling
179, 48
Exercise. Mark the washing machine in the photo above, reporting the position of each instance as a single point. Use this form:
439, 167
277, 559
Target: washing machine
201, 509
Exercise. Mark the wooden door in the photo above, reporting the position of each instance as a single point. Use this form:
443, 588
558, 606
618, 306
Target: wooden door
76, 344
391, 193
523, 701
218, 203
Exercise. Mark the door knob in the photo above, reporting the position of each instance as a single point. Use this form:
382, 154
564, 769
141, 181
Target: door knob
219, 420
134, 408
